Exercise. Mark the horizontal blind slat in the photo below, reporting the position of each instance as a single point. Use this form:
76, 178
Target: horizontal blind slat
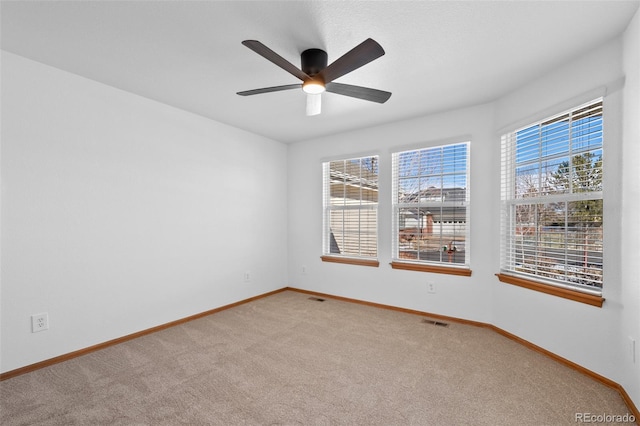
430, 196
551, 192
350, 202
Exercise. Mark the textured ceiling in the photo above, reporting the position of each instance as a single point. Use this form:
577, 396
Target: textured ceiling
439, 55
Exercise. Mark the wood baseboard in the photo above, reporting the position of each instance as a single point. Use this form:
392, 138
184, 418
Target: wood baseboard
393, 308
607, 382
599, 378
103, 345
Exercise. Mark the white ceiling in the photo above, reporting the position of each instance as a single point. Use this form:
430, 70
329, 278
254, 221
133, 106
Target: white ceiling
439, 55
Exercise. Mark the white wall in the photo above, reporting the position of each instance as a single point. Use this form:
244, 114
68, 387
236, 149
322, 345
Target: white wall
120, 213
596, 338
463, 297
586, 335
116, 216
630, 239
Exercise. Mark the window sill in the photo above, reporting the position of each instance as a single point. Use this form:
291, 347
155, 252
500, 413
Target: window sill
589, 299
431, 268
351, 261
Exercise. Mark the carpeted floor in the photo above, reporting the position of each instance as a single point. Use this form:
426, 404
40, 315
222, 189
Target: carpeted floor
289, 360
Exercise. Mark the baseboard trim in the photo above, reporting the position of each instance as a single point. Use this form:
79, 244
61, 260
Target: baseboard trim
599, 378
103, 345
391, 307
607, 382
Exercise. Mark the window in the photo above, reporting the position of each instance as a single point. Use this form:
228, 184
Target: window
431, 208
351, 211
552, 211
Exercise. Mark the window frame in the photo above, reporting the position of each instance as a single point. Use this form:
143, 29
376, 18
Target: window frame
511, 199
328, 207
441, 266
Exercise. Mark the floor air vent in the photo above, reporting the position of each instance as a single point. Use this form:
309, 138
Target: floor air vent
316, 299
432, 322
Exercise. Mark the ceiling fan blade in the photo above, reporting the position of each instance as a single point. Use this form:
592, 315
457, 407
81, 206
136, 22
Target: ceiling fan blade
272, 56
269, 89
373, 95
360, 55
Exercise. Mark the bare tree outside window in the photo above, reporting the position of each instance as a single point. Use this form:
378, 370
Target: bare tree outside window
430, 204
553, 210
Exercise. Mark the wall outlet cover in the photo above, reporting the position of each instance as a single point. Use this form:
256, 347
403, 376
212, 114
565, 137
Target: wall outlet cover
39, 322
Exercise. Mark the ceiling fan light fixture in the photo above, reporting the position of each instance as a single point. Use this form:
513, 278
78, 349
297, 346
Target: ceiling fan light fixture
318, 77
314, 104
313, 87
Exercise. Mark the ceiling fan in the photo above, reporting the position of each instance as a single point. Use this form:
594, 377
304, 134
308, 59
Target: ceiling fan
317, 77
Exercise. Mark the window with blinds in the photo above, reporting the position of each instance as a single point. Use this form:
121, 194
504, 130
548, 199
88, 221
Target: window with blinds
552, 211
351, 208
431, 205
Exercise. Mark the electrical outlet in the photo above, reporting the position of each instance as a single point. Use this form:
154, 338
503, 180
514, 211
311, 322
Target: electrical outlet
431, 287
304, 269
247, 276
632, 349
39, 322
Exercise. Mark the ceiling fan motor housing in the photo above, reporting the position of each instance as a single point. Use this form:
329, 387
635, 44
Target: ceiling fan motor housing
318, 77
313, 61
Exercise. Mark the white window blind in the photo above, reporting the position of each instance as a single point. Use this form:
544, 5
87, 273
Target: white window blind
351, 207
552, 204
431, 205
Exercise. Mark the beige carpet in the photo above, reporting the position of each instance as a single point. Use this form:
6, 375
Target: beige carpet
289, 360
